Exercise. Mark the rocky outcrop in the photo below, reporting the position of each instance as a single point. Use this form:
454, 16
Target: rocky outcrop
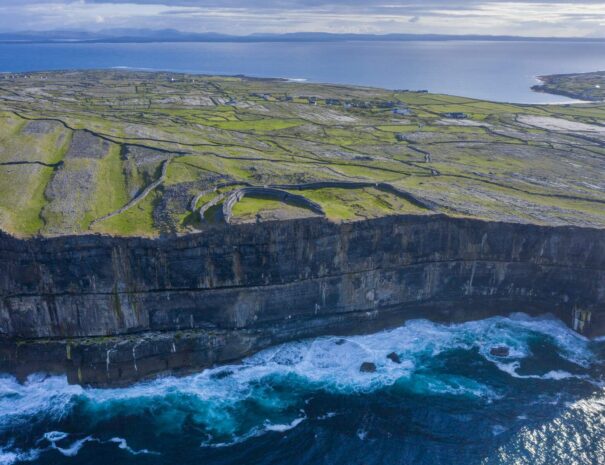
111, 310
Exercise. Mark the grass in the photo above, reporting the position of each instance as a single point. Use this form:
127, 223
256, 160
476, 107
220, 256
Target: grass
351, 204
247, 208
285, 142
23, 187
260, 125
136, 221
110, 193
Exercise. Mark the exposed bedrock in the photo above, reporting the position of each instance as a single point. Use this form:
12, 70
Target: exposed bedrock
109, 311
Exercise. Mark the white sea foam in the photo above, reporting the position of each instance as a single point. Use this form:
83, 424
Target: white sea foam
9, 457
49, 396
283, 428
330, 364
73, 449
555, 375
122, 444
55, 436
333, 363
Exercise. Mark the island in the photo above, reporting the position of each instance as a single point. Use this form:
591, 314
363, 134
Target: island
155, 223
582, 86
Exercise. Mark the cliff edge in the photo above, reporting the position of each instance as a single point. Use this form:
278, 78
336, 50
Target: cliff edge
110, 311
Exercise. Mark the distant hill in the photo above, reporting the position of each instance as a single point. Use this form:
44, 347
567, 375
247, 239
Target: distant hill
171, 35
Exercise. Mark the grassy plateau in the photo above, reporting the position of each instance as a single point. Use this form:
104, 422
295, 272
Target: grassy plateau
135, 153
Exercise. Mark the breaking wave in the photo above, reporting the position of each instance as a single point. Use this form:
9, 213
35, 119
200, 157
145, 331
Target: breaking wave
274, 391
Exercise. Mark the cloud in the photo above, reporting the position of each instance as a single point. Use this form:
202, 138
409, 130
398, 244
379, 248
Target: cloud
521, 17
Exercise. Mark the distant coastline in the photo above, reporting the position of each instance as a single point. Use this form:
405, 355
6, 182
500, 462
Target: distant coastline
173, 36
387, 64
586, 87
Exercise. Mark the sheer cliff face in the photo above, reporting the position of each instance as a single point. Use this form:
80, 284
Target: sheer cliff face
232, 290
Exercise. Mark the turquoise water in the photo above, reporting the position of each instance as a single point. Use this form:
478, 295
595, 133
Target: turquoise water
449, 401
502, 71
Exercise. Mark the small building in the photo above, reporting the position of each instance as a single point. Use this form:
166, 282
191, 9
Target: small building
400, 137
265, 97
402, 111
455, 115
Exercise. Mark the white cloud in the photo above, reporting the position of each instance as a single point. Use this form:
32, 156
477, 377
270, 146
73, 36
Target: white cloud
563, 18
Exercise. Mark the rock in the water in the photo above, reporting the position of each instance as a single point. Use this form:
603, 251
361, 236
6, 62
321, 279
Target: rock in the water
500, 351
393, 357
340, 342
368, 367
221, 374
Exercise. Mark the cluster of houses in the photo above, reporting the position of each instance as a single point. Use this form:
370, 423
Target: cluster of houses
265, 97
20, 76
310, 100
397, 108
422, 91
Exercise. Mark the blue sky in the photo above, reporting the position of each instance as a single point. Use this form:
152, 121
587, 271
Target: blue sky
583, 18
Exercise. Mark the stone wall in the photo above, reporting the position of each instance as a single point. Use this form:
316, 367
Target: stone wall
272, 193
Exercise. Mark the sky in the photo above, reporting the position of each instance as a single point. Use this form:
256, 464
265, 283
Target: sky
559, 18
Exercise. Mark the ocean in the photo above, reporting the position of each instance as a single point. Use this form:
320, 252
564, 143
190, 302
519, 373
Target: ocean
500, 71
445, 399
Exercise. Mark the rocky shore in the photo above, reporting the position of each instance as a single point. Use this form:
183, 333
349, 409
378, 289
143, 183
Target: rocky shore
109, 311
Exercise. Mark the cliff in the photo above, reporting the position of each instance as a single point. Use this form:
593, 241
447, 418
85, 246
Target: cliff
109, 311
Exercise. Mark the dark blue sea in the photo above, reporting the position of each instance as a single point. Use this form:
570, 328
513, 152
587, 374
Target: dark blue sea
501, 71
448, 401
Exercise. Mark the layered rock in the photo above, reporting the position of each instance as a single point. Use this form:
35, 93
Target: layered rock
109, 310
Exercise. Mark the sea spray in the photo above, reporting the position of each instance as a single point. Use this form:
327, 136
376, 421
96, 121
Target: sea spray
296, 388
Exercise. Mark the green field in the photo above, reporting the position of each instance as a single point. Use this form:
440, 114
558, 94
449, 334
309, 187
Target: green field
134, 153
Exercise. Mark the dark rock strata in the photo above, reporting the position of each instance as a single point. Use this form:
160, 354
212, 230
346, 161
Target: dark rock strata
109, 311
